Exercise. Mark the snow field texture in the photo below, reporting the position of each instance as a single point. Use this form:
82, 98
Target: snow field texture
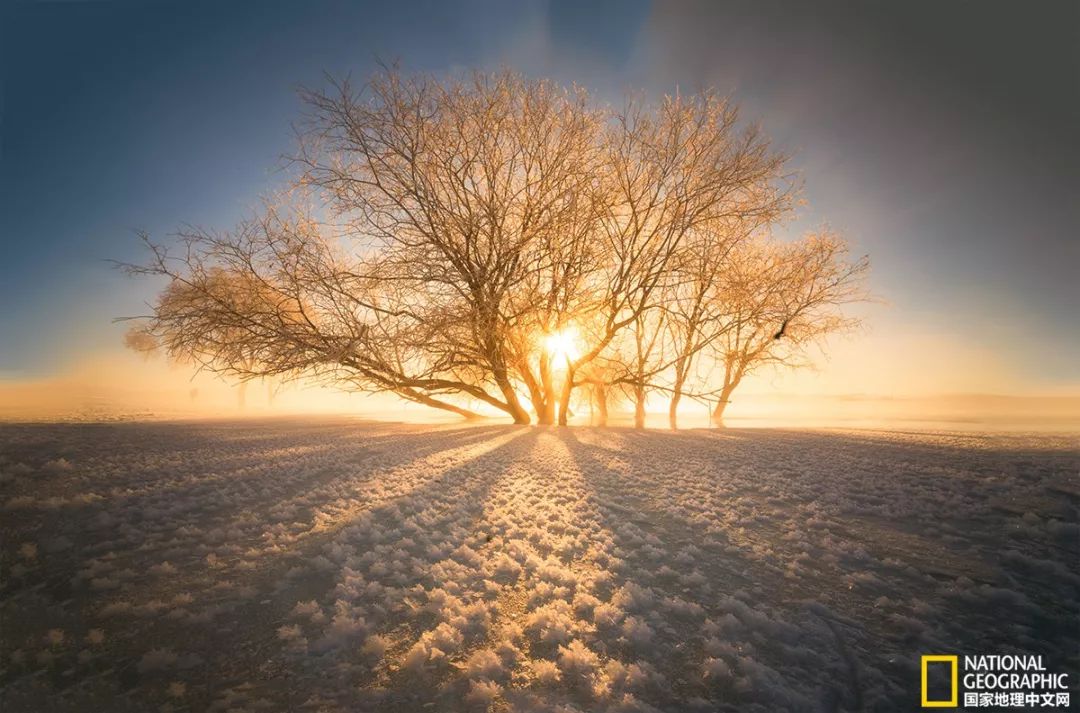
336, 565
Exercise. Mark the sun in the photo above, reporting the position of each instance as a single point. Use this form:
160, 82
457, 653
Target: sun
562, 345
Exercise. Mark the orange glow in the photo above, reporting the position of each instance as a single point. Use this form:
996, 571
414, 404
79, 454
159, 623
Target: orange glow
562, 345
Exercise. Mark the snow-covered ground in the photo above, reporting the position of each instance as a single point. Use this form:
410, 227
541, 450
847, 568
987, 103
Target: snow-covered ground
333, 565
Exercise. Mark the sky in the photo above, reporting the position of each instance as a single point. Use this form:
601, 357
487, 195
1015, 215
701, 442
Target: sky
939, 138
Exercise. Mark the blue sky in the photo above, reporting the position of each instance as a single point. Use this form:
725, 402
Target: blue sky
940, 138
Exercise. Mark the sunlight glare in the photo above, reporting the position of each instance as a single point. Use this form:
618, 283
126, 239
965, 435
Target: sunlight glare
562, 345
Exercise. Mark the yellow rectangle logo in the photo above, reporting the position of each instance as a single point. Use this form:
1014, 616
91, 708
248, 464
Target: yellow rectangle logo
952, 702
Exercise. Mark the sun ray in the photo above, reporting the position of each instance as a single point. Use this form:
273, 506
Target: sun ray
562, 345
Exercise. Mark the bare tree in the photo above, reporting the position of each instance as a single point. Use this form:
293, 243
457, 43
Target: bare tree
452, 196
780, 299
479, 193
464, 227
697, 313
667, 171
646, 360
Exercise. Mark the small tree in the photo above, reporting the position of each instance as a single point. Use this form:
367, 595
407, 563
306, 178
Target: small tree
696, 308
779, 300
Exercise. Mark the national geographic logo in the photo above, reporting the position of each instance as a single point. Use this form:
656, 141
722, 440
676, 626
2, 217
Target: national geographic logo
954, 690
991, 682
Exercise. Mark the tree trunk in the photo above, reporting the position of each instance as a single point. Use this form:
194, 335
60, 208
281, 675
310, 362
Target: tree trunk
639, 406
676, 394
564, 400
545, 411
721, 405
536, 395
601, 404
516, 410
513, 404
673, 416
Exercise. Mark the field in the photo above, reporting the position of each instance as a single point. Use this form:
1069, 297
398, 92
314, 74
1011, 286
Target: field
342, 565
